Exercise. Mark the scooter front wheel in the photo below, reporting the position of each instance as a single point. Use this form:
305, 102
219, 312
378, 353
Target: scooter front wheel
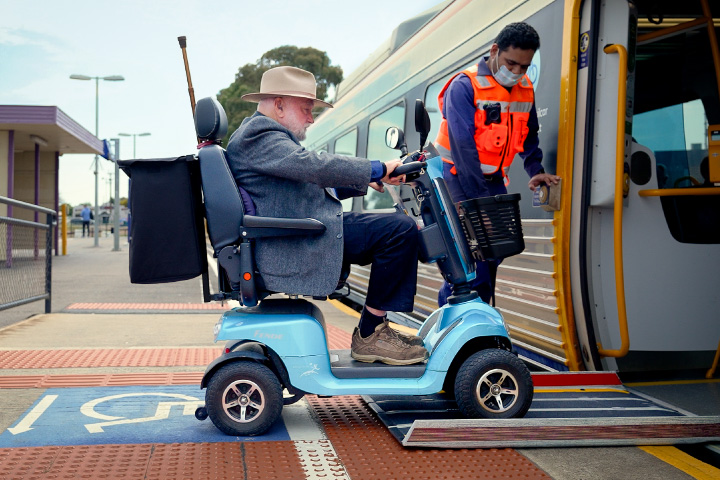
493, 384
244, 399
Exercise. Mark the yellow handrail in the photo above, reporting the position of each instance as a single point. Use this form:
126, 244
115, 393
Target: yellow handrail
618, 204
63, 227
711, 371
680, 192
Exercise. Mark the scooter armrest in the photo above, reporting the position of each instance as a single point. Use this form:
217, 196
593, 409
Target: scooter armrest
258, 227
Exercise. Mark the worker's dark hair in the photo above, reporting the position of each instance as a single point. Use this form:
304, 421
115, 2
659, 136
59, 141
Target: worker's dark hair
518, 35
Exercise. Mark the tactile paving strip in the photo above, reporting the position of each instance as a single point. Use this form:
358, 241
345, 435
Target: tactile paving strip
337, 338
368, 450
148, 306
108, 357
251, 460
124, 357
108, 380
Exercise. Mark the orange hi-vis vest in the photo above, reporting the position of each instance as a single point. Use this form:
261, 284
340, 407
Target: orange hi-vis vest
497, 143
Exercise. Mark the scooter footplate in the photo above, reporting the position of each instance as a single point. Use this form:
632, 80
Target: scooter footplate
347, 367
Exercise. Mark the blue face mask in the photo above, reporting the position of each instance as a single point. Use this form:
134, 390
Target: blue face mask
504, 76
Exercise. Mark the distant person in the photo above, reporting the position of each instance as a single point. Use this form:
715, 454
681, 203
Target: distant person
662, 175
286, 180
488, 117
86, 215
705, 172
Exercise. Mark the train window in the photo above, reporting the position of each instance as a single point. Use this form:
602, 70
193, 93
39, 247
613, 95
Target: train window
347, 145
377, 150
431, 103
678, 136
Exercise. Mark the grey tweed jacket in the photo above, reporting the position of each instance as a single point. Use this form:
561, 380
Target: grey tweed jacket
286, 180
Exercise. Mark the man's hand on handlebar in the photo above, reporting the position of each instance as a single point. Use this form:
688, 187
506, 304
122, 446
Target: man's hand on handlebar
391, 165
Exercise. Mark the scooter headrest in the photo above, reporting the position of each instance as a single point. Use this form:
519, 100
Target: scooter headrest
210, 120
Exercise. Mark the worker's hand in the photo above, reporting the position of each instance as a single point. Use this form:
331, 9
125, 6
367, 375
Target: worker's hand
392, 165
546, 178
377, 186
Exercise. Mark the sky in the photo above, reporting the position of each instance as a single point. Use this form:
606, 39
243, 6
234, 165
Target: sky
43, 42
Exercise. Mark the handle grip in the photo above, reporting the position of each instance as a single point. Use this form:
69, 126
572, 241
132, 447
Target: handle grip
408, 168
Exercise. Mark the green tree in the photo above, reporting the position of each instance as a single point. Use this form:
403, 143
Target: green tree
247, 80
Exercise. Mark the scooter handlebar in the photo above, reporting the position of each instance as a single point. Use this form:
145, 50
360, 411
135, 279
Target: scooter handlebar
406, 168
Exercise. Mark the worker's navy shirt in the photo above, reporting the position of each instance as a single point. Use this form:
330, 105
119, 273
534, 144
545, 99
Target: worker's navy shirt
470, 181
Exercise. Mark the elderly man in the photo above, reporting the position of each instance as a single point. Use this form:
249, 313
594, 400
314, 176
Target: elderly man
286, 180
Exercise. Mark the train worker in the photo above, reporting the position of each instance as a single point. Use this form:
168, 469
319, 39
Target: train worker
286, 180
489, 116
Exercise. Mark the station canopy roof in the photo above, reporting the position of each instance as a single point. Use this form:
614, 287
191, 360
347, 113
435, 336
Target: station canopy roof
50, 127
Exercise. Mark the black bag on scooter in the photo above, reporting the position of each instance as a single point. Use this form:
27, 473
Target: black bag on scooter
167, 232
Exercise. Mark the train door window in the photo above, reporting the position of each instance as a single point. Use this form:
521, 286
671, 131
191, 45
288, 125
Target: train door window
678, 136
377, 150
676, 98
347, 145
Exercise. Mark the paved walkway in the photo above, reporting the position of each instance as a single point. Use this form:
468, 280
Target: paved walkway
106, 385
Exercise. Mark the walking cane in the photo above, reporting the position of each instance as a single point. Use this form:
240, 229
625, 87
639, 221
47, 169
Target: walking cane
183, 43
205, 276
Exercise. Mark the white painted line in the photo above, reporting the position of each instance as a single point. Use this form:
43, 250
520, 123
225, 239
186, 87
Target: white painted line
609, 409
24, 425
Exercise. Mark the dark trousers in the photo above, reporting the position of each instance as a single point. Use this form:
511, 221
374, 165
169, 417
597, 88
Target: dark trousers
389, 242
86, 224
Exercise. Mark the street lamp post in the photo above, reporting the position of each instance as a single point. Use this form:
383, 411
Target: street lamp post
134, 135
110, 78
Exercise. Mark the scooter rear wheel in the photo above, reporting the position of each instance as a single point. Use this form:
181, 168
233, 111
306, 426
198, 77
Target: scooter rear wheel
244, 399
493, 384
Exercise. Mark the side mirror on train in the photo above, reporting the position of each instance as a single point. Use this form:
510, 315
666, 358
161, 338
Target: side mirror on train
395, 139
422, 122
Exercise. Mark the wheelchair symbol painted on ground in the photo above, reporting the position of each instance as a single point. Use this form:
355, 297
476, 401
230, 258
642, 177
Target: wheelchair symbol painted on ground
117, 415
186, 402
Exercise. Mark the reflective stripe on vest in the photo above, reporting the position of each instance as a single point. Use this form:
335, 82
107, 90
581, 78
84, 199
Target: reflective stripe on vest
497, 144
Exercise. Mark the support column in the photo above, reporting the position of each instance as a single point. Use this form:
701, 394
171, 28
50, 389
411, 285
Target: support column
36, 199
10, 194
56, 207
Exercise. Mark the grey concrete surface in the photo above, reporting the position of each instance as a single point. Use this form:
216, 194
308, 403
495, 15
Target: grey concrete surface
103, 330
626, 463
98, 274
90, 274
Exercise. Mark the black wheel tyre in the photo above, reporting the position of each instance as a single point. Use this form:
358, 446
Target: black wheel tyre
493, 384
244, 399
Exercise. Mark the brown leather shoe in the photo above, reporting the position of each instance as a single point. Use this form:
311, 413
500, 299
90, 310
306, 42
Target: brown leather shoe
386, 346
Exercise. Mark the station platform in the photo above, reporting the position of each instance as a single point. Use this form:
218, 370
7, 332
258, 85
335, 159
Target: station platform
106, 387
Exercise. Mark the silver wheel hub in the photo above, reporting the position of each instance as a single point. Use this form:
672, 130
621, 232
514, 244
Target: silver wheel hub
243, 401
497, 390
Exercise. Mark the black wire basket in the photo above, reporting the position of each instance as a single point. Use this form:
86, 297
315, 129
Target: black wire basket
492, 226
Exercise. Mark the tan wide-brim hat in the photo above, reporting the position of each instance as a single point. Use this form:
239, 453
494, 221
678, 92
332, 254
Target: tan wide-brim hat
287, 82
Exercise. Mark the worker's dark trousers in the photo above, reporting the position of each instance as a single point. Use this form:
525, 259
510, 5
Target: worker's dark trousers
388, 241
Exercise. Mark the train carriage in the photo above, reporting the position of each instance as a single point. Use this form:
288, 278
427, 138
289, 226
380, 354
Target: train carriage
624, 276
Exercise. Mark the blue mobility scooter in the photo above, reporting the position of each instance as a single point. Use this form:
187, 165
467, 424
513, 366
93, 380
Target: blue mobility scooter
276, 345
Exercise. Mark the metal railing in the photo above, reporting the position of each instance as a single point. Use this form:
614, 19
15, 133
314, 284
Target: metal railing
25, 255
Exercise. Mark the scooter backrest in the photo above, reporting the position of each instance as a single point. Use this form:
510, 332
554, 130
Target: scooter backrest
224, 207
210, 120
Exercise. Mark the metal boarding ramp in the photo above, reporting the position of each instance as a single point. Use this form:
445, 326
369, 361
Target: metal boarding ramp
568, 410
